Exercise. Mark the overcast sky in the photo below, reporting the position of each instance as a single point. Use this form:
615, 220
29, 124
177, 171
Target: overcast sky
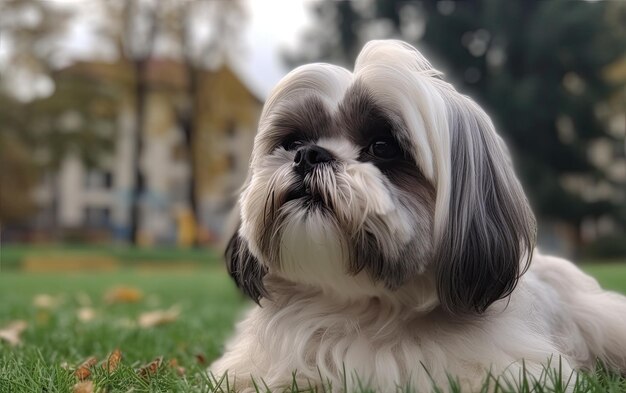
274, 25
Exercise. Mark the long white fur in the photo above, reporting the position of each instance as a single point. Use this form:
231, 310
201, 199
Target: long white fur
320, 321
557, 314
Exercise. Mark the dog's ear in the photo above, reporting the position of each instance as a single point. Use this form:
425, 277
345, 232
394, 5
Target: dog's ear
487, 236
244, 268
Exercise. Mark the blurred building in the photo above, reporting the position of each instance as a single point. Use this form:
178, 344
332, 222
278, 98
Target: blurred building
96, 203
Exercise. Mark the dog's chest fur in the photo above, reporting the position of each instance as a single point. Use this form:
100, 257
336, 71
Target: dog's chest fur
316, 335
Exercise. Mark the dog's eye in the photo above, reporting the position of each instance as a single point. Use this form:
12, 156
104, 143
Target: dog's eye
291, 144
385, 148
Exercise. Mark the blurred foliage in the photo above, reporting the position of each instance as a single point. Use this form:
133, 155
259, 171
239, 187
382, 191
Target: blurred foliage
17, 177
31, 32
79, 119
35, 137
37, 130
538, 67
607, 247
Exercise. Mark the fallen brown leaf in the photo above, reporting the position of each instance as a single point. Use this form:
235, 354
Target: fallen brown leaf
84, 370
123, 295
11, 333
173, 364
83, 387
113, 361
86, 314
200, 358
158, 317
46, 302
150, 368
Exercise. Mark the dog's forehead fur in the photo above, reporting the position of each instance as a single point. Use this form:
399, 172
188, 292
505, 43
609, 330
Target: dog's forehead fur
313, 93
357, 118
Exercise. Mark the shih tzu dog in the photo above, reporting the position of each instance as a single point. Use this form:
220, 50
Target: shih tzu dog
388, 243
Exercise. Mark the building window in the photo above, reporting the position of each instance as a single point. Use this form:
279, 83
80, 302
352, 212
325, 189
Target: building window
108, 180
98, 179
97, 217
231, 129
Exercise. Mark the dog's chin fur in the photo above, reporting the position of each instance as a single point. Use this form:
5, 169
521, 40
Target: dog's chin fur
402, 268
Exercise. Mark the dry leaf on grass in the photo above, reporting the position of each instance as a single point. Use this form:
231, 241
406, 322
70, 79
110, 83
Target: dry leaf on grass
83, 387
113, 361
84, 370
173, 364
86, 314
11, 333
158, 317
150, 368
200, 358
46, 302
123, 295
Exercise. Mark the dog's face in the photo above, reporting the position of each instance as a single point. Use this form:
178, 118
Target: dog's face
366, 180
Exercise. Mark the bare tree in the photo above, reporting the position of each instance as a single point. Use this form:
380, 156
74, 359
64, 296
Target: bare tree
36, 102
200, 33
204, 32
133, 27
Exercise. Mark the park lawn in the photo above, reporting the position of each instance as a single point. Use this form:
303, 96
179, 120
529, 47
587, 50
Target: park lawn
206, 299
16, 256
611, 275
56, 341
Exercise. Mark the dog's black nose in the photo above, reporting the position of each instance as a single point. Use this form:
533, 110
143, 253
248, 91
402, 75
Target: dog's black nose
308, 157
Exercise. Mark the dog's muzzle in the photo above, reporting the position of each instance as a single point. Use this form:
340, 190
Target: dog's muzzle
305, 162
308, 158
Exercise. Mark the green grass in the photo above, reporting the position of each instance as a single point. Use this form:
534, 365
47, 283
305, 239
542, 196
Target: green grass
612, 276
209, 306
13, 255
208, 302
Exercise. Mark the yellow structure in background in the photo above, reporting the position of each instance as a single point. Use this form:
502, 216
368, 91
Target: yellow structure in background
225, 123
186, 228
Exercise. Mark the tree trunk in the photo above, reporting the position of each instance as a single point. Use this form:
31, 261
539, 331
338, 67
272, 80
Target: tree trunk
188, 124
141, 90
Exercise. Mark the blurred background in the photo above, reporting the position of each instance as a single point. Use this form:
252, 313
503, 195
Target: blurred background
126, 125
